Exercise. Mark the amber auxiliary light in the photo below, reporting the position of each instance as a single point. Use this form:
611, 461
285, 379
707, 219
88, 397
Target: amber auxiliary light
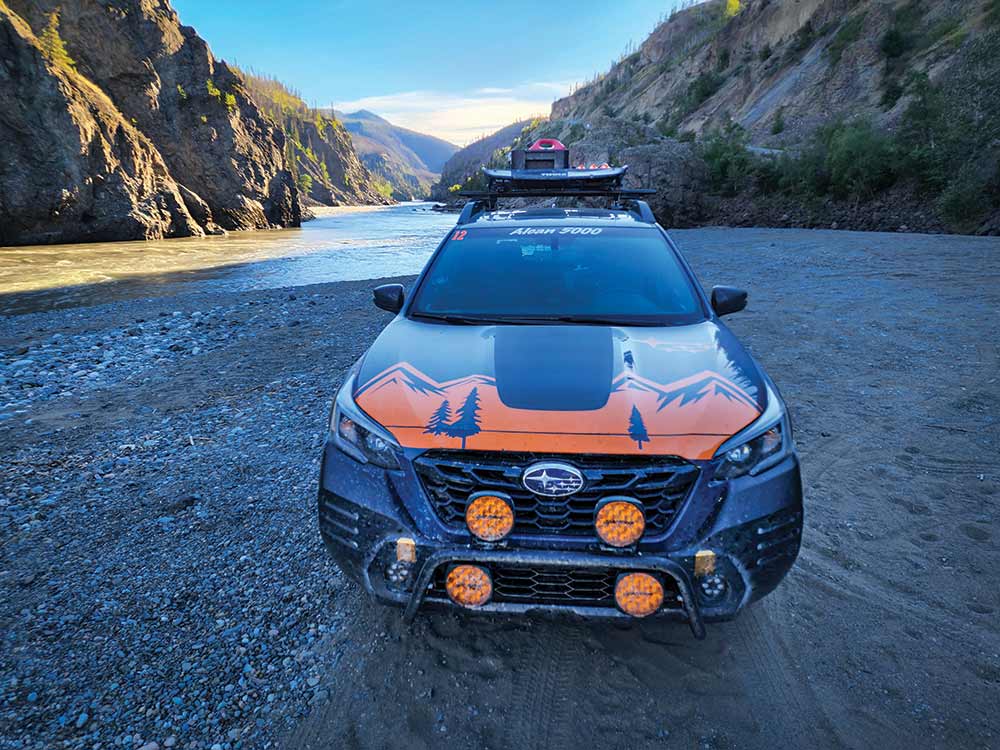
469, 585
489, 517
620, 523
638, 594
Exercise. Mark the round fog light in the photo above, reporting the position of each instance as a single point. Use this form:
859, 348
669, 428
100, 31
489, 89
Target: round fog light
713, 586
638, 594
469, 585
620, 523
489, 517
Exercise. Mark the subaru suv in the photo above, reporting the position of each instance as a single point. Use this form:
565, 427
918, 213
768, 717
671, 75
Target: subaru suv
558, 419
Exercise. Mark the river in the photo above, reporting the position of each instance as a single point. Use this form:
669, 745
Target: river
341, 244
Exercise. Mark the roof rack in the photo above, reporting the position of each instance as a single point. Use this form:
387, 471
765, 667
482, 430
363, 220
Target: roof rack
534, 176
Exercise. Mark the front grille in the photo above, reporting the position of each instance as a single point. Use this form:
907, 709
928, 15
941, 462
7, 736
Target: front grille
590, 587
660, 484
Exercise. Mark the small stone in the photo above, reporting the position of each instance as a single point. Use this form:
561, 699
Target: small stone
81, 720
150, 746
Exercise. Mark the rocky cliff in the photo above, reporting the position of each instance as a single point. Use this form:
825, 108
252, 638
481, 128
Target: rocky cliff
779, 68
870, 114
72, 168
318, 149
135, 130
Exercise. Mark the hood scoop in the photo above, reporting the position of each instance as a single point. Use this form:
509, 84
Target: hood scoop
554, 368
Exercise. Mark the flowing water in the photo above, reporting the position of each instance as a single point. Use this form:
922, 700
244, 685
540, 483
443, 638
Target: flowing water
340, 244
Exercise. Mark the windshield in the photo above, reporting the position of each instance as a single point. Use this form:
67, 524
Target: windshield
583, 274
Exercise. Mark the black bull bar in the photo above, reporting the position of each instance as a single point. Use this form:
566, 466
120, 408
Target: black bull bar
662, 565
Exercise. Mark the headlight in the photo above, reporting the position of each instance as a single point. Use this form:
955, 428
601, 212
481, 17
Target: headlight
761, 445
359, 436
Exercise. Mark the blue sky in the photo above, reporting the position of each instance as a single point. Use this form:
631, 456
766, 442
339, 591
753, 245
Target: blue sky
457, 70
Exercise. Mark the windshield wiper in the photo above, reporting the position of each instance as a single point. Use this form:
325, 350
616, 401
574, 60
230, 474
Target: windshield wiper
462, 320
599, 321
533, 320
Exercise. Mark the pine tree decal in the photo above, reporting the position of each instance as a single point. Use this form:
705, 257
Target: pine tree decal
438, 423
467, 422
636, 428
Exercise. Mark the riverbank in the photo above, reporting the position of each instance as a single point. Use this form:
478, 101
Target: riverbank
162, 577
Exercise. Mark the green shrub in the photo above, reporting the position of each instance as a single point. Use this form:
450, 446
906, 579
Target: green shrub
893, 91
230, 102
305, 183
861, 161
181, 92
802, 40
966, 200
778, 126
52, 44
767, 176
722, 64
212, 89
701, 89
944, 28
576, 133
666, 127
993, 12
765, 53
848, 33
729, 162
894, 43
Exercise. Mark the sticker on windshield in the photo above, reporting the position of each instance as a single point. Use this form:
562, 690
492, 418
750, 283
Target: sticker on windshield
564, 230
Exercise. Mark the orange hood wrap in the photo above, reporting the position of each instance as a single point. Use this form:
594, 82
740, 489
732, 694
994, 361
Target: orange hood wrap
556, 389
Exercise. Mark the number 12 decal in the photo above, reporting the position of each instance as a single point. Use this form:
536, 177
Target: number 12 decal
459, 235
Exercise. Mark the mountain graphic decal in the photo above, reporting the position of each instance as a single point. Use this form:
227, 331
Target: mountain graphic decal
690, 417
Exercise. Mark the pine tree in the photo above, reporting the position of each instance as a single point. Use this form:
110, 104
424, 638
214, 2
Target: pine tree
636, 428
52, 44
467, 423
438, 423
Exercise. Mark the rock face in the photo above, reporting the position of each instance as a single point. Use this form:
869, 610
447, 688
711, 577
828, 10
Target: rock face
318, 149
338, 176
72, 168
779, 69
150, 136
780, 76
162, 77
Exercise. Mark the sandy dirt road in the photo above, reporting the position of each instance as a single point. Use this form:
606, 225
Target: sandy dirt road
162, 576
885, 634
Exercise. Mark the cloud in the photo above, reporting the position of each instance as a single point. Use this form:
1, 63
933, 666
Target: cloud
462, 117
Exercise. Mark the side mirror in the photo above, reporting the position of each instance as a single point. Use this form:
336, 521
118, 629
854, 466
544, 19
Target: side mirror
389, 297
728, 299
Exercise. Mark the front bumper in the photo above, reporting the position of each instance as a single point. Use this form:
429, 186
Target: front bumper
752, 524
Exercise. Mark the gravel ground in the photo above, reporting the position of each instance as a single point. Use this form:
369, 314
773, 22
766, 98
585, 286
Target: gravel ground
162, 581
161, 576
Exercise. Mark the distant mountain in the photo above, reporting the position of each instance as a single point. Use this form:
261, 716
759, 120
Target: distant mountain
466, 162
408, 160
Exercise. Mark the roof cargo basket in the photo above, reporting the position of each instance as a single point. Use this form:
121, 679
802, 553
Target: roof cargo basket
542, 171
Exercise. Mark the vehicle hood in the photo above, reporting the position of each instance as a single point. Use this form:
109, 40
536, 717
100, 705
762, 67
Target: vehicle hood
679, 391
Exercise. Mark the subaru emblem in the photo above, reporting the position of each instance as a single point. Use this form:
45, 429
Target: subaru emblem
552, 479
